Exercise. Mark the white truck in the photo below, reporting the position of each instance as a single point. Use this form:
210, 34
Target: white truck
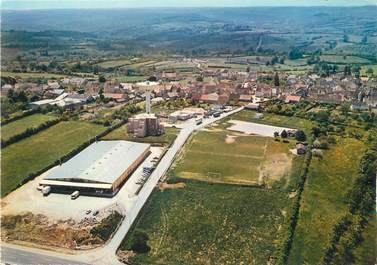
75, 195
46, 190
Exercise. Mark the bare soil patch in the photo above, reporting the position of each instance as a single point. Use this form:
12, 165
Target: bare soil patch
230, 139
275, 167
179, 185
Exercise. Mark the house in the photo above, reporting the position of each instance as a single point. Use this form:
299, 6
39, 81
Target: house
212, 98
252, 106
359, 106
118, 97
300, 149
169, 76
292, 99
245, 98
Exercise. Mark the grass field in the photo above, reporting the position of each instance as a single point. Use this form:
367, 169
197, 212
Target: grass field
324, 199
365, 253
344, 60
215, 157
19, 126
38, 151
211, 224
114, 63
121, 134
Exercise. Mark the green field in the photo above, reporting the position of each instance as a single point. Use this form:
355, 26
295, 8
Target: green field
38, 151
209, 156
121, 134
211, 224
19, 126
344, 60
324, 199
114, 63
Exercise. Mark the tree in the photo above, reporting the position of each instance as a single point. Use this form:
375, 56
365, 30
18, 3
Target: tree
284, 134
199, 78
101, 79
152, 78
139, 242
345, 38
276, 80
300, 135
369, 71
295, 54
316, 131
276, 134
248, 69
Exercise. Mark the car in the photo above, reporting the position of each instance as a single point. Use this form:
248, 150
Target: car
88, 211
96, 212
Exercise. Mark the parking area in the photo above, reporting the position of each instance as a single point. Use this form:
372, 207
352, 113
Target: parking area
60, 206
256, 128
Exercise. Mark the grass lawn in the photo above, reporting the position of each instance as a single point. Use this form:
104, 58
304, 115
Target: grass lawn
121, 134
38, 151
19, 126
324, 199
213, 156
211, 224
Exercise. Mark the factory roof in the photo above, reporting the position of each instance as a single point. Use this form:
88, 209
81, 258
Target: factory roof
101, 162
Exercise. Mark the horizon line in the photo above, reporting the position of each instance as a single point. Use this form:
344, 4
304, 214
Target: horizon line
184, 7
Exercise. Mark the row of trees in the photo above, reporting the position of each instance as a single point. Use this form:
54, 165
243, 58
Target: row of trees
347, 233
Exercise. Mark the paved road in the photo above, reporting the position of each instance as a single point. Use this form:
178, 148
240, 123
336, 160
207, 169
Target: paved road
15, 255
106, 255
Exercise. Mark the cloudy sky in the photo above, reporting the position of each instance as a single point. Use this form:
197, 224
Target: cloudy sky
58, 4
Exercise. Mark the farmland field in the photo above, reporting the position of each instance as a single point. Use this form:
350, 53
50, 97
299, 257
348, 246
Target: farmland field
19, 126
121, 134
344, 60
40, 150
324, 199
211, 224
226, 157
114, 63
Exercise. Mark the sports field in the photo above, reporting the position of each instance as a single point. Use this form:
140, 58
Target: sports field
222, 156
324, 199
19, 126
38, 151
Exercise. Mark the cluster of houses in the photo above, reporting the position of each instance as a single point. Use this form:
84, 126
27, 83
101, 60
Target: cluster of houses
225, 87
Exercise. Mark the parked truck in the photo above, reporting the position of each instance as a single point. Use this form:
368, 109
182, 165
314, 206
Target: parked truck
46, 190
75, 195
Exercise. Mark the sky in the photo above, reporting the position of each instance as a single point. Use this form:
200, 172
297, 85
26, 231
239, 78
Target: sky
66, 4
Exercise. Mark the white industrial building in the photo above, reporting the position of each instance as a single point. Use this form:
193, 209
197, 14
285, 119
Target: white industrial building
100, 169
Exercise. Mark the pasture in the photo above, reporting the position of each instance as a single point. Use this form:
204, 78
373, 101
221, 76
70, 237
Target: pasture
324, 199
211, 224
40, 150
19, 126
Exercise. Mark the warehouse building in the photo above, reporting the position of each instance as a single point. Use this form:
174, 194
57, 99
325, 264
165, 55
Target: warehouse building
100, 169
